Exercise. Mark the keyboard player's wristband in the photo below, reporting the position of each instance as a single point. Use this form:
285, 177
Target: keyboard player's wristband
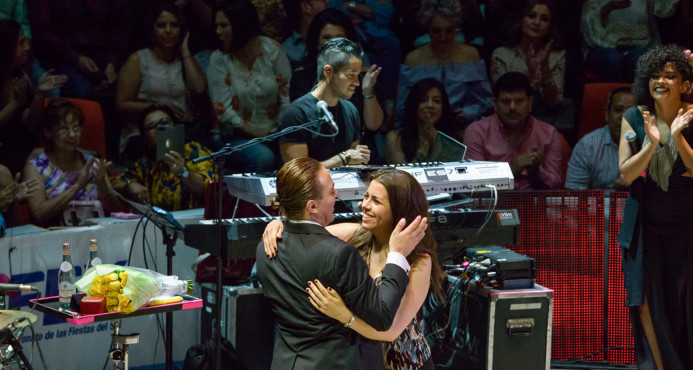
341, 157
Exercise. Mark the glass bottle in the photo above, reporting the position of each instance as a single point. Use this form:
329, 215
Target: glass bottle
94, 259
66, 278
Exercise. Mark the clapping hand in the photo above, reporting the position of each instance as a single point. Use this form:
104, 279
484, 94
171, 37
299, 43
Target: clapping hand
25, 189
680, 122
49, 81
651, 128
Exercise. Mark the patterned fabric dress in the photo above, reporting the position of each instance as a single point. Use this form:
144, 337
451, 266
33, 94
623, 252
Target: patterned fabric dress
410, 350
165, 188
56, 181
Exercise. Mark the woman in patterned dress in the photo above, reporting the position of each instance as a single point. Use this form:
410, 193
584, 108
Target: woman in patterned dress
66, 172
174, 183
391, 195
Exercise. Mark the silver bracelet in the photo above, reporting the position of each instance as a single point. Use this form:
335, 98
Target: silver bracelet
348, 325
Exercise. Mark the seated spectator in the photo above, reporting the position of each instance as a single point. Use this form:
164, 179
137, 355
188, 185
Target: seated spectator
271, 18
21, 105
248, 84
329, 24
164, 73
534, 47
427, 114
457, 65
594, 163
67, 173
87, 40
300, 14
530, 146
174, 183
372, 19
340, 65
12, 192
616, 34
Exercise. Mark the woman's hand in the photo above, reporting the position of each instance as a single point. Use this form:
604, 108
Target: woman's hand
140, 192
369, 79
25, 189
184, 49
328, 302
273, 231
21, 89
680, 122
85, 174
101, 167
651, 128
175, 162
49, 81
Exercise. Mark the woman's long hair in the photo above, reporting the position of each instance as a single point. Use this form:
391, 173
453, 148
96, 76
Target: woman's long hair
9, 34
245, 23
410, 128
322, 19
407, 200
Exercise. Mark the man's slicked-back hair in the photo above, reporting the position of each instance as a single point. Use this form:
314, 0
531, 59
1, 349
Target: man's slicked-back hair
337, 52
512, 81
297, 183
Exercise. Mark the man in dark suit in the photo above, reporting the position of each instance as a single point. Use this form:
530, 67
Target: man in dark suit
305, 338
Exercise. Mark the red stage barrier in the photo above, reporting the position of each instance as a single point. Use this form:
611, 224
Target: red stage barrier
565, 232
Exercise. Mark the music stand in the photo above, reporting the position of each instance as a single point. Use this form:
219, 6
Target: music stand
170, 228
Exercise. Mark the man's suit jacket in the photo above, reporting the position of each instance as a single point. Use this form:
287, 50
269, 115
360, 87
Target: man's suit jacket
305, 338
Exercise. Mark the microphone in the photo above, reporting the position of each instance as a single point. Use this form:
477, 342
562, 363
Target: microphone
633, 142
322, 106
16, 287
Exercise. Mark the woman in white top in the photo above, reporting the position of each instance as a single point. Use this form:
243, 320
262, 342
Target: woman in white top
166, 73
248, 84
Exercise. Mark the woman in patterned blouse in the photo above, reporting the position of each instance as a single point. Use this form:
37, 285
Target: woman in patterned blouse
174, 183
248, 84
66, 172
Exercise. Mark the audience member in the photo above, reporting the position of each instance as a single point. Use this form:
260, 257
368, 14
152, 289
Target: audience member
87, 40
427, 114
530, 146
534, 48
12, 192
457, 65
248, 83
372, 19
329, 24
20, 105
15, 10
594, 163
66, 172
271, 18
174, 183
338, 77
164, 73
300, 14
616, 34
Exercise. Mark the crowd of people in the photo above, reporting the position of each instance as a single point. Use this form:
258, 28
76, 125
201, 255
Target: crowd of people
410, 81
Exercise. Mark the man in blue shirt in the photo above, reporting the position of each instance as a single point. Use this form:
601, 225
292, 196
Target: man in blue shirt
594, 162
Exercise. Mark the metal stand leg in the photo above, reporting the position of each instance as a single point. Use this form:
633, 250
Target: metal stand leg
120, 348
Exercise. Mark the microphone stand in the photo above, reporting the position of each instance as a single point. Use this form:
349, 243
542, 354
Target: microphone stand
220, 158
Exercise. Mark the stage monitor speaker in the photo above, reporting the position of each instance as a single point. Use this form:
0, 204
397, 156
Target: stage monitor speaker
247, 322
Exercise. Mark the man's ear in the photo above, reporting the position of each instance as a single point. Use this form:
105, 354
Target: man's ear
311, 207
327, 71
531, 101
